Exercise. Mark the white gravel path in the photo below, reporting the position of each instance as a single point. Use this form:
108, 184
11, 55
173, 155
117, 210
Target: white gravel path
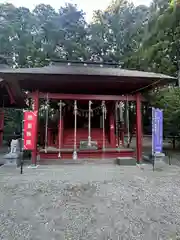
88, 202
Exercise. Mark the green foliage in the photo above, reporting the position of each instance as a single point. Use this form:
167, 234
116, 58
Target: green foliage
159, 52
160, 42
29, 38
168, 99
115, 32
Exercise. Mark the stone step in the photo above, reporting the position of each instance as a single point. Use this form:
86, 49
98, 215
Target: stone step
126, 161
78, 161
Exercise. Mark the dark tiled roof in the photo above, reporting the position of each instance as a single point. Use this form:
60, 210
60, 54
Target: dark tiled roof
84, 70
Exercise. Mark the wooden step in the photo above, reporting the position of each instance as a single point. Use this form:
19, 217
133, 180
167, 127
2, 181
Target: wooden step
76, 162
95, 154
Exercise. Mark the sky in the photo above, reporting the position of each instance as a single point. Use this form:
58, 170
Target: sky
87, 5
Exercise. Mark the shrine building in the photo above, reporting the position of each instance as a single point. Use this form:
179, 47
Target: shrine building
83, 107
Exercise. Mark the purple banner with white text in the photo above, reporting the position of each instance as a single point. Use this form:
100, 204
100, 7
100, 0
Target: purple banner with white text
157, 130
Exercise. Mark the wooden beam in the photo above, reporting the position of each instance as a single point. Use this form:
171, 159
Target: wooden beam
62, 96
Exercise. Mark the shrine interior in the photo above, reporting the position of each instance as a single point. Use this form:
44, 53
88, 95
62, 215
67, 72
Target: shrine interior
49, 117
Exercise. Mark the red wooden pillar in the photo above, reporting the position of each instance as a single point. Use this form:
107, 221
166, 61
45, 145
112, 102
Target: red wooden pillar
112, 130
36, 108
138, 128
1, 126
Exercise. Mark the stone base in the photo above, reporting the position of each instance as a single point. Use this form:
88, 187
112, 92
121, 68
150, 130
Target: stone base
12, 159
159, 161
12, 156
150, 158
126, 161
10, 162
159, 156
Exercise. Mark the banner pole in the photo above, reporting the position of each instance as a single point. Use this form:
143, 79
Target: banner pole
22, 144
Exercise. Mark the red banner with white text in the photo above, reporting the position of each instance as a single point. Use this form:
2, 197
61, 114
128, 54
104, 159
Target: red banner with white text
30, 126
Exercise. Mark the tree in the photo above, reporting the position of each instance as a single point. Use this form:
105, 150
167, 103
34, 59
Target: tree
63, 34
29, 38
7, 15
115, 32
159, 52
168, 99
160, 44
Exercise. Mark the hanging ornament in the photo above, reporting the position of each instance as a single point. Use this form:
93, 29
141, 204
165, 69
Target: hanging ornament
61, 104
120, 105
89, 124
116, 119
103, 118
46, 122
75, 131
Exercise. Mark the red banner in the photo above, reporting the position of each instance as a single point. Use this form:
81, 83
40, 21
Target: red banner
30, 122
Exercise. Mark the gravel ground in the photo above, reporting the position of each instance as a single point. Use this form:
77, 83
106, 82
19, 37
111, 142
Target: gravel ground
84, 202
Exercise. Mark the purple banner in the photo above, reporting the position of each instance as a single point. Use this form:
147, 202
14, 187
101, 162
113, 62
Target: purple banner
157, 130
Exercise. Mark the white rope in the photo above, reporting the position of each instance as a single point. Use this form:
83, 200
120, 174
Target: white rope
116, 116
89, 125
60, 128
121, 120
75, 131
121, 112
46, 124
127, 119
104, 117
